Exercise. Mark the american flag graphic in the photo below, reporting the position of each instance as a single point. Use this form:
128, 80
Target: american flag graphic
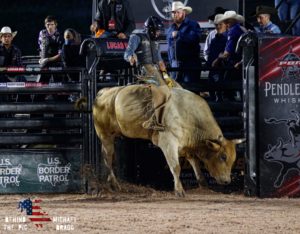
34, 211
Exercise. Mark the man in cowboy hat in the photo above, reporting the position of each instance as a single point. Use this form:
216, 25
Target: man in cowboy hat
215, 44
235, 30
230, 57
183, 43
10, 55
263, 16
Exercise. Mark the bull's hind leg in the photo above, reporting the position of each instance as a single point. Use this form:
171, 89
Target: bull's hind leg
170, 149
108, 152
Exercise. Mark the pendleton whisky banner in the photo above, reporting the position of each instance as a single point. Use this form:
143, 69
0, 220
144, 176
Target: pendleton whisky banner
279, 116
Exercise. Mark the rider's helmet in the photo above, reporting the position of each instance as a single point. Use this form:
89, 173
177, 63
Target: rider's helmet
153, 26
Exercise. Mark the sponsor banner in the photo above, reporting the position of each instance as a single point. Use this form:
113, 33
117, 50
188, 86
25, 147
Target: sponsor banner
15, 69
116, 45
34, 84
279, 116
40, 171
55, 68
15, 84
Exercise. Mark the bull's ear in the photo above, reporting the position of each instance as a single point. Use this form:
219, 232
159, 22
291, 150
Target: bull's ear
238, 141
212, 145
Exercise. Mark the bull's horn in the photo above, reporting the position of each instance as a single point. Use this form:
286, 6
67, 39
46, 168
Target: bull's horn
269, 147
279, 144
238, 141
213, 145
220, 138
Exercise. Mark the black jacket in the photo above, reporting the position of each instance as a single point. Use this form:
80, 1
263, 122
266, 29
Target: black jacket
10, 57
124, 18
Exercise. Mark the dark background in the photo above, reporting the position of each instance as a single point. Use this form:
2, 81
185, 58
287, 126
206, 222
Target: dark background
27, 16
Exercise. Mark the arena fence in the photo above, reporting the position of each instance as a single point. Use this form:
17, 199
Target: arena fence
43, 139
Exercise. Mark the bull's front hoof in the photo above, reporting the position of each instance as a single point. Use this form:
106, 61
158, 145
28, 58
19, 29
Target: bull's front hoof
114, 185
180, 193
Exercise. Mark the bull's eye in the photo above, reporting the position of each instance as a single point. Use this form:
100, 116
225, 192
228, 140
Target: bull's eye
223, 158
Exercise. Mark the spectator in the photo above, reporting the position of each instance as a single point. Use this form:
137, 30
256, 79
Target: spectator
10, 55
50, 43
216, 47
235, 30
211, 35
70, 49
183, 43
98, 32
288, 10
70, 52
143, 50
263, 16
116, 17
230, 58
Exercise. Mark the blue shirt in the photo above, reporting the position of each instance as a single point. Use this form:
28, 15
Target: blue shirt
233, 36
269, 28
186, 44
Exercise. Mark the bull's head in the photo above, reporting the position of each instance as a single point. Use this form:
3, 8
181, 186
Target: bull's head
219, 159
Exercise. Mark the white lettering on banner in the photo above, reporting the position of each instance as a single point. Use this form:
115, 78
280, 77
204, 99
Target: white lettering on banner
57, 84
15, 84
53, 173
5, 162
9, 174
285, 89
15, 69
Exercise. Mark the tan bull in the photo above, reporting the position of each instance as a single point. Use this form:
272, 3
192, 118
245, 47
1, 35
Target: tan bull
190, 130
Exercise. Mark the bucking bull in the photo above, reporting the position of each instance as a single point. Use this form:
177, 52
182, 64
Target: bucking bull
190, 130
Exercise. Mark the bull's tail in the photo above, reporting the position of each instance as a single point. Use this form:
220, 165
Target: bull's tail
81, 104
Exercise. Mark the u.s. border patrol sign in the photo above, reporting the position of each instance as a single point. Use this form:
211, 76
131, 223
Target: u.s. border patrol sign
40, 171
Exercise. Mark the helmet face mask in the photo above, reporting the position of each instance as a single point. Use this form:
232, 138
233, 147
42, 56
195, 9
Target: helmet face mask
153, 26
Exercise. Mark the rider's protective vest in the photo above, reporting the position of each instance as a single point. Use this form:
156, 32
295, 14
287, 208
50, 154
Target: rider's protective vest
147, 51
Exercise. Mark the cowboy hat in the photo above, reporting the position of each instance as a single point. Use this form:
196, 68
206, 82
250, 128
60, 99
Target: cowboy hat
218, 10
265, 10
7, 30
177, 5
218, 18
233, 15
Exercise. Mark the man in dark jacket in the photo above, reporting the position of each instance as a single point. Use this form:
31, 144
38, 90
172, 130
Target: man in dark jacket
10, 55
116, 16
183, 43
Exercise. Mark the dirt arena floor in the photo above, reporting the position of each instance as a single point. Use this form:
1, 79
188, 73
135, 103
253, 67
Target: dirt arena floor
144, 210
